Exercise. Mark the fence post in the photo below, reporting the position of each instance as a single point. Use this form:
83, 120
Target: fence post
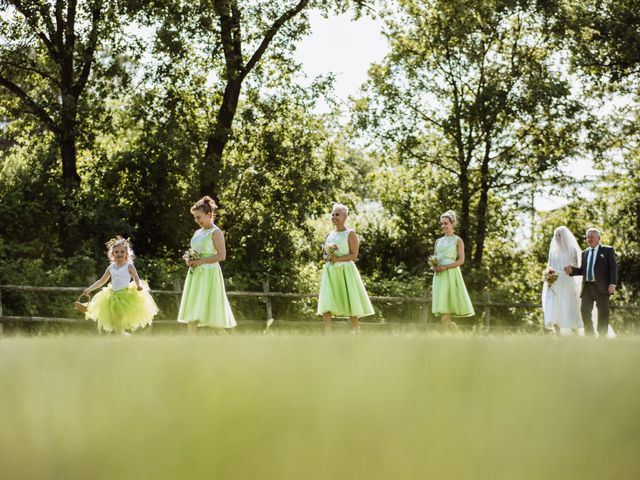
267, 302
486, 298
176, 287
1, 325
426, 305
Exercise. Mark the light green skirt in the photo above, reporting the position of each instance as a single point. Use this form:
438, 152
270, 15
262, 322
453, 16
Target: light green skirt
450, 294
342, 292
121, 310
204, 298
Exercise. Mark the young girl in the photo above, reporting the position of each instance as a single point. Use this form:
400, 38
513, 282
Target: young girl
342, 293
204, 300
121, 306
449, 296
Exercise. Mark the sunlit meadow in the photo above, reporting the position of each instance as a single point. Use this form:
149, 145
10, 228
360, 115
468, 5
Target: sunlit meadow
306, 406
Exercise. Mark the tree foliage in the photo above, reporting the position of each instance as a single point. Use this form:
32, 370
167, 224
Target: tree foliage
49, 59
603, 35
472, 89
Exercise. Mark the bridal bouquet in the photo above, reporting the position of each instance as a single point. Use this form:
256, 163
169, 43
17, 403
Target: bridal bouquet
189, 255
330, 249
549, 275
434, 260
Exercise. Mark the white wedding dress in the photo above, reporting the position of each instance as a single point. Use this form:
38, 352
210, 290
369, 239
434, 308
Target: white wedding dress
561, 300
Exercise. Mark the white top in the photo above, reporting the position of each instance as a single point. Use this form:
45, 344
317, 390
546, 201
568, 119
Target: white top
203, 244
120, 276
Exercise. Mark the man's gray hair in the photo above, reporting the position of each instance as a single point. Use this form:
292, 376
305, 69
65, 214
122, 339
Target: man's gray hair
594, 230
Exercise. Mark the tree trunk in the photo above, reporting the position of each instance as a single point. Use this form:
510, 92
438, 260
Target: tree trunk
70, 178
481, 217
68, 152
68, 111
67, 143
211, 166
231, 37
465, 202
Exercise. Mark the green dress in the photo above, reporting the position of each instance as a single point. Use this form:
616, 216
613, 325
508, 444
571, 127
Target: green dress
204, 297
120, 306
449, 291
342, 292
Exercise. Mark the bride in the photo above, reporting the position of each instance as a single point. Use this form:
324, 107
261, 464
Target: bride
561, 300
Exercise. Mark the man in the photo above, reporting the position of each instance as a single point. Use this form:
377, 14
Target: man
599, 272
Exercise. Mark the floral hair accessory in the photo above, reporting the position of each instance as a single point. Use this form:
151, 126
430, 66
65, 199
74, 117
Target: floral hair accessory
118, 240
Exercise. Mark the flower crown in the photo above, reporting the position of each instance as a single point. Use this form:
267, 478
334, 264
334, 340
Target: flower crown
118, 240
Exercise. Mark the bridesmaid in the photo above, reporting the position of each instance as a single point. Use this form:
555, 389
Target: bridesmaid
450, 296
204, 300
342, 293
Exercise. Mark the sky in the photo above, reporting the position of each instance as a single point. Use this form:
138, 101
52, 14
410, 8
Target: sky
344, 47
347, 48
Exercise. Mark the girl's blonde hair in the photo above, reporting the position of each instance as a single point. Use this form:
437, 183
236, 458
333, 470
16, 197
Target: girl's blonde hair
116, 242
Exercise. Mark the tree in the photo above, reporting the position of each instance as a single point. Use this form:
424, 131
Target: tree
617, 195
603, 35
472, 88
237, 37
280, 171
236, 69
48, 53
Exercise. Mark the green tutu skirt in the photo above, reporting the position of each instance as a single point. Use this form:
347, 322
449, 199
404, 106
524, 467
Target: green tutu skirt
204, 298
342, 292
125, 309
450, 294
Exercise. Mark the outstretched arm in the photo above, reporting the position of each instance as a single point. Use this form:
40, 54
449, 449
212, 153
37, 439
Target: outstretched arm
98, 283
574, 270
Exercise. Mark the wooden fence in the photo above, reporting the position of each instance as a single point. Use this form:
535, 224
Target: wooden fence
266, 294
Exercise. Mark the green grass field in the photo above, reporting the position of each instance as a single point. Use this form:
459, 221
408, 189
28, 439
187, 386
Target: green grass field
291, 406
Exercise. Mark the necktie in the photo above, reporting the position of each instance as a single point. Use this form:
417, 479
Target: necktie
592, 261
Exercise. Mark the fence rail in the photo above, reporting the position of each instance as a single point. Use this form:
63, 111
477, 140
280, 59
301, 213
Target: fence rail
266, 294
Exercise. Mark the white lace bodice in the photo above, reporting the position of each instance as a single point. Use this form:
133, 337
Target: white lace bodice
120, 276
447, 249
202, 243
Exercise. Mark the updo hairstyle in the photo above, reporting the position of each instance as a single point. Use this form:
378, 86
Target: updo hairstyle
207, 205
451, 215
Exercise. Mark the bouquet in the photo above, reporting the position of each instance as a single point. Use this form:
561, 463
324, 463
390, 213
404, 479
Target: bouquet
189, 255
550, 276
434, 260
330, 250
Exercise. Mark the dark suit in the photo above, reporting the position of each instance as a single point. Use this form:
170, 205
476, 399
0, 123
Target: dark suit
605, 271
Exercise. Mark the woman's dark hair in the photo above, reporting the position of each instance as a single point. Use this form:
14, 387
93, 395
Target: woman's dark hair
207, 205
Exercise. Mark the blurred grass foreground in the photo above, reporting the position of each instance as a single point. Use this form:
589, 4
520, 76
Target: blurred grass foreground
309, 407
